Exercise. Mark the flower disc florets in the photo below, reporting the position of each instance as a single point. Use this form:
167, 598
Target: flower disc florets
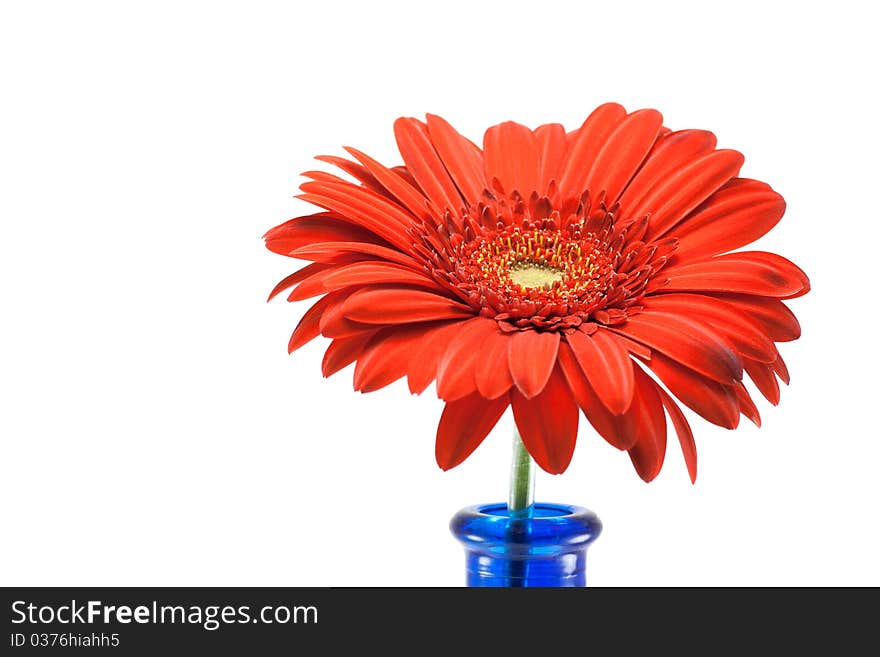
547, 272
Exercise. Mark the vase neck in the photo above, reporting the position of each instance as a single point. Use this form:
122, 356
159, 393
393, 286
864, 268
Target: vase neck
548, 548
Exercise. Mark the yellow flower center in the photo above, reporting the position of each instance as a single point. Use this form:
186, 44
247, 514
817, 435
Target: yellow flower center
529, 274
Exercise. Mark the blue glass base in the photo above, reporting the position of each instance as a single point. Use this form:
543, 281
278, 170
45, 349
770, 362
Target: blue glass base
546, 548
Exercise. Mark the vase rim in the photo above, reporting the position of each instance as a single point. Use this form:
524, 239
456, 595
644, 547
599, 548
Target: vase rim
540, 510
550, 524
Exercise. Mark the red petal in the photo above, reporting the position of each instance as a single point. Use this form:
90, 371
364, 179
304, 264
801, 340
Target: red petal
673, 198
334, 323
387, 356
405, 194
588, 140
746, 404
492, 375
623, 153
311, 286
781, 369
744, 334
456, 369
322, 227
548, 423
369, 273
511, 156
333, 252
745, 272
612, 428
367, 207
296, 277
550, 139
314, 285
425, 165
363, 207
647, 415
691, 343
764, 379
774, 317
463, 426
633, 347
683, 430
392, 305
530, 357
712, 400
322, 176
308, 327
407, 176
356, 171
423, 363
344, 351
607, 366
732, 217
670, 153
462, 158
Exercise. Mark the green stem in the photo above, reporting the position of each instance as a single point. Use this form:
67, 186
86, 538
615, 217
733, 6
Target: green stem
522, 479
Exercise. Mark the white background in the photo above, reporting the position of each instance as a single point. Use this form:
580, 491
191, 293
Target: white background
154, 430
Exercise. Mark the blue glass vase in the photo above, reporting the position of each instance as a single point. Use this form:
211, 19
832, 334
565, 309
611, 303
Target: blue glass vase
547, 547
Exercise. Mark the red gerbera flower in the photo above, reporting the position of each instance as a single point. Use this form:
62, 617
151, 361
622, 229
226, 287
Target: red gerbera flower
550, 271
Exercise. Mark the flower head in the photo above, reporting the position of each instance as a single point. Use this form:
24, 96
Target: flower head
555, 272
